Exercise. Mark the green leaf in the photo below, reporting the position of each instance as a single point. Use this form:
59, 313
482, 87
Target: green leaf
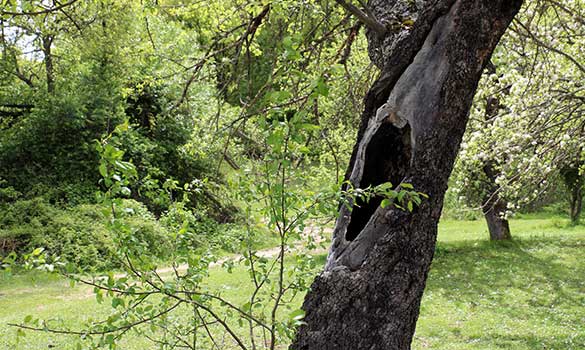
385, 202
290, 52
400, 196
298, 314
38, 251
309, 127
99, 297
117, 302
384, 187
279, 96
122, 127
103, 170
321, 88
246, 307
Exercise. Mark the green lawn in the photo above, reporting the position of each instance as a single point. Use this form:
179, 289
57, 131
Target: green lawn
526, 294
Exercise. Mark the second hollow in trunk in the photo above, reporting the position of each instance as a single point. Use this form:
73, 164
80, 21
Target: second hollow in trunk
368, 296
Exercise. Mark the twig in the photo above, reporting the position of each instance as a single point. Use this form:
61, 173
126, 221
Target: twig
371, 22
40, 12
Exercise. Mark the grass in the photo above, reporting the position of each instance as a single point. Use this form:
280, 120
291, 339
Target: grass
528, 294
525, 294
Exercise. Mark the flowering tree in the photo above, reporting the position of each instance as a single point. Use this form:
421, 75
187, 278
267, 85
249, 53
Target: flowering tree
527, 122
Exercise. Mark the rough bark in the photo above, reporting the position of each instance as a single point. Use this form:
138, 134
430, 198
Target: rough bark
368, 296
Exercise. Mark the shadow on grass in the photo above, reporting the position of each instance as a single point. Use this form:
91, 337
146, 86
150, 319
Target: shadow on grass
523, 294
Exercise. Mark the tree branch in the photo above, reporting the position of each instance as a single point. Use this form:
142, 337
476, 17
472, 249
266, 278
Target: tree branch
40, 12
368, 20
547, 46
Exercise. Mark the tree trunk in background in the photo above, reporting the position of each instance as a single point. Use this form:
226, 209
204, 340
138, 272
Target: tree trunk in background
47, 42
576, 205
575, 183
493, 206
493, 211
368, 296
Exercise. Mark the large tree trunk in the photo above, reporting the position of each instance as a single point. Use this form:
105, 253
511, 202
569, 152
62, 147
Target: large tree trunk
494, 208
576, 199
369, 294
47, 41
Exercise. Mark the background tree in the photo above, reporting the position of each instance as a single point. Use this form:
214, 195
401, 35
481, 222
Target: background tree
538, 127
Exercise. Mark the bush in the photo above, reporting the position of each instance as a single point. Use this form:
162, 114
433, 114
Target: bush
202, 231
78, 235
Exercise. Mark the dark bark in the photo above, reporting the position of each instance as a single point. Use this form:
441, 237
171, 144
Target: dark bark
575, 183
368, 296
493, 206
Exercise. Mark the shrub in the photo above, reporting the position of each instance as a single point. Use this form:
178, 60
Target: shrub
202, 231
78, 235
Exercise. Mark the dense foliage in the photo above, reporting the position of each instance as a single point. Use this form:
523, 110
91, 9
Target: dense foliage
138, 133
196, 90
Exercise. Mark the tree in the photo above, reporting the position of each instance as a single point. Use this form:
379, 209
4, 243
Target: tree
493, 206
536, 133
575, 182
369, 294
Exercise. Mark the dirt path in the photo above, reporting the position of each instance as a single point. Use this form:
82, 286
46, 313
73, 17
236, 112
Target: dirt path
310, 231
